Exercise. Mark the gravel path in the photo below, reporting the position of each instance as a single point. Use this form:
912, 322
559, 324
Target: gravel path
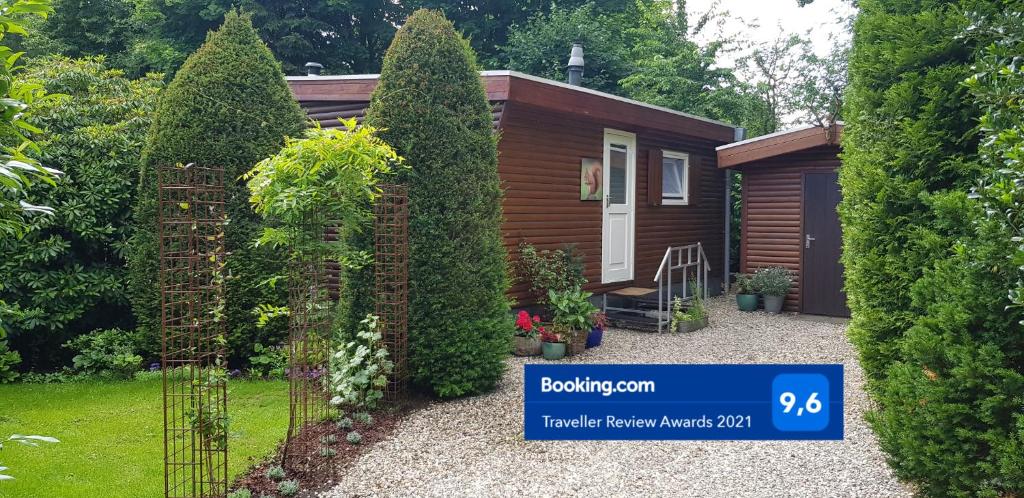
475, 446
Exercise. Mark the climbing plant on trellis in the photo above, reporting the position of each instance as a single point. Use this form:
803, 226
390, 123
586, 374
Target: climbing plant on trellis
191, 221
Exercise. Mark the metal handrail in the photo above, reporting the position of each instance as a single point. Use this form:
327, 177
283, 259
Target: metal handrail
673, 260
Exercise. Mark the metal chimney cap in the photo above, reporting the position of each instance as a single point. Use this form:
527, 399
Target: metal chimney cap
576, 55
313, 68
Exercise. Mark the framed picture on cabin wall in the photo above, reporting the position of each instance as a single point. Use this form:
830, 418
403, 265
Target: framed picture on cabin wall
591, 177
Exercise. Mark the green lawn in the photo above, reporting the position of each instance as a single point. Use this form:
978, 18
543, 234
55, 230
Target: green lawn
111, 435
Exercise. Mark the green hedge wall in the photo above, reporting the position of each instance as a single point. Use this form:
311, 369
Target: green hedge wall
228, 105
927, 270
431, 106
66, 275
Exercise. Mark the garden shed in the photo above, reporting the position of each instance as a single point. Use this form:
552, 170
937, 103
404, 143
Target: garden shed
789, 217
622, 180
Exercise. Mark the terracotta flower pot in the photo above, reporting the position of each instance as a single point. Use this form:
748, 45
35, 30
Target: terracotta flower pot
553, 350
746, 302
527, 346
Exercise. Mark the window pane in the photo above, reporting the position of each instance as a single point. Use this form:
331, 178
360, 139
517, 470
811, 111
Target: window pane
617, 175
672, 178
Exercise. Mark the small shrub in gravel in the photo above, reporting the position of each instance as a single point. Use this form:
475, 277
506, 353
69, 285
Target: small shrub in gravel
363, 418
275, 473
288, 488
354, 437
345, 423
240, 493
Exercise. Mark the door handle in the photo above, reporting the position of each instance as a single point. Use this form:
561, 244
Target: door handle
807, 241
607, 200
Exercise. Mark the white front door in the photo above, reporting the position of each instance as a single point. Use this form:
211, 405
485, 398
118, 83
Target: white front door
619, 203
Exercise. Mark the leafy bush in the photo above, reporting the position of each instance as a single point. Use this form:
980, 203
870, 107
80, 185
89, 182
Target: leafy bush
361, 368
572, 308
745, 284
227, 106
269, 362
9, 361
549, 270
345, 423
66, 275
354, 438
288, 488
431, 106
108, 353
929, 272
772, 281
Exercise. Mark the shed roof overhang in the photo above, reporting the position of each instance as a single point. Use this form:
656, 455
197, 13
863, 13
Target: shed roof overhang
777, 144
512, 86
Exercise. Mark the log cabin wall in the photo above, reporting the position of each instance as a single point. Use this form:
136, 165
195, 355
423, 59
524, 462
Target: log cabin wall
772, 229
539, 163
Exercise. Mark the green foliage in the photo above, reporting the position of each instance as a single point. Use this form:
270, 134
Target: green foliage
361, 368
275, 473
772, 281
9, 361
240, 493
27, 441
930, 272
572, 309
288, 488
65, 276
432, 108
745, 284
549, 270
363, 418
107, 353
17, 170
227, 106
328, 175
269, 362
354, 438
345, 423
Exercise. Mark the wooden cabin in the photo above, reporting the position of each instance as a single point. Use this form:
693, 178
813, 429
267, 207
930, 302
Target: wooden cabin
655, 169
790, 195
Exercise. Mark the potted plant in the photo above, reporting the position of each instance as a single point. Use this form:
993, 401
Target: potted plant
527, 342
773, 283
689, 320
746, 296
599, 320
552, 345
572, 310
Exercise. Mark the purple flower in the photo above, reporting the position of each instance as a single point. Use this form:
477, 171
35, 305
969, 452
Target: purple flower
153, 367
235, 373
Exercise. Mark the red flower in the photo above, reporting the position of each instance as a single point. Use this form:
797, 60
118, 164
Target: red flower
523, 321
536, 319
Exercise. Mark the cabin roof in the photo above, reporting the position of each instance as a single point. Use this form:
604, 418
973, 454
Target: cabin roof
520, 88
777, 144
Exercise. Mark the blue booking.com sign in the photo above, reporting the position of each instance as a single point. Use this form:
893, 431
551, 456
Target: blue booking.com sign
751, 402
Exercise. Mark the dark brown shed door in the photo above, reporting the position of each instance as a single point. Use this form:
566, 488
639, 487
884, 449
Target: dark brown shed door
822, 274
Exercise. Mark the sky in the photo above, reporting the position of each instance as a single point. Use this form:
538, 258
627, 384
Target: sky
819, 17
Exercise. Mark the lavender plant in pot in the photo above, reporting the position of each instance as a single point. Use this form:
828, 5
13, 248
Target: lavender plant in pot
773, 283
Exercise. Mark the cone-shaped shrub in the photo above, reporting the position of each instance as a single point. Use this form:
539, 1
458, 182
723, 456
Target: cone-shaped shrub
228, 106
432, 108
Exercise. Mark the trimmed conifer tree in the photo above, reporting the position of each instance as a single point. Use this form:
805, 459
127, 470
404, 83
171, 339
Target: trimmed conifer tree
228, 106
431, 106
928, 270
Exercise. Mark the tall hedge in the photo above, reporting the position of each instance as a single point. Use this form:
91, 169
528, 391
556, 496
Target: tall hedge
431, 106
66, 275
228, 106
927, 274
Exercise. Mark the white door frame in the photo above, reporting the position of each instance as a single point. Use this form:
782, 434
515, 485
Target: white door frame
620, 275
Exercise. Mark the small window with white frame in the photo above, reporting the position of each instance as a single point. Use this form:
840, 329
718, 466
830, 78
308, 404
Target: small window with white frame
675, 181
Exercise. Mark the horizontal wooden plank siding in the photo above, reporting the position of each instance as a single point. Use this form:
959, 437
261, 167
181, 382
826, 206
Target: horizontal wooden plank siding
540, 153
772, 230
